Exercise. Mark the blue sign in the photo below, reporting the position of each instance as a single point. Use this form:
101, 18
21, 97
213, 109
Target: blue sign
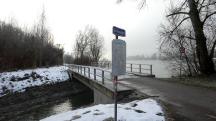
118, 31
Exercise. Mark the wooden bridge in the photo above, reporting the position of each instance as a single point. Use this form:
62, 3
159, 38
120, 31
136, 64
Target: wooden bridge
100, 79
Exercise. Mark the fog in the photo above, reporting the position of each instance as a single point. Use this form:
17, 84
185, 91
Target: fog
65, 18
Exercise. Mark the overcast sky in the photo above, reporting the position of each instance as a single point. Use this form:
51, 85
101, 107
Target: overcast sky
66, 17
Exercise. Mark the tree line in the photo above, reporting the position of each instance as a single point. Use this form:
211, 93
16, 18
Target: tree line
23, 48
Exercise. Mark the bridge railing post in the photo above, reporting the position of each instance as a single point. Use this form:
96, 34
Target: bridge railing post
140, 68
102, 77
94, 74
81, 69
78, 68
89, 72
72, 67
84, 71
151, 69
131, 67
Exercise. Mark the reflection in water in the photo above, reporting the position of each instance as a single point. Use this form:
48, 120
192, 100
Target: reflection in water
57, 106
65, 106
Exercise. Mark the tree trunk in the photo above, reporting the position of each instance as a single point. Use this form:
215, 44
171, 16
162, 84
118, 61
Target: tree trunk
205, 62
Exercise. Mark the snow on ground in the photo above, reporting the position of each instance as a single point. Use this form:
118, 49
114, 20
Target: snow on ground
139, 110
18, 81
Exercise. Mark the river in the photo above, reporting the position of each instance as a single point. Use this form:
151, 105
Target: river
55, 107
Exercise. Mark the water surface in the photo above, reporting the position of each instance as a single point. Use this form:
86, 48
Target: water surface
57, 106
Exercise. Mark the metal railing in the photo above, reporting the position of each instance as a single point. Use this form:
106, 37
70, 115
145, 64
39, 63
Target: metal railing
130, 67
94, 73
139, 68
102, 64
102, 75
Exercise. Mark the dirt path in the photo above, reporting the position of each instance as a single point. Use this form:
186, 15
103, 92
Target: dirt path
187, 103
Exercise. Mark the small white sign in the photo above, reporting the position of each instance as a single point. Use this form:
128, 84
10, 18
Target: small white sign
118, 57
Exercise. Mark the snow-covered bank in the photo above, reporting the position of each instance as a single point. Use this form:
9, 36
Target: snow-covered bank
18, 81
140, 110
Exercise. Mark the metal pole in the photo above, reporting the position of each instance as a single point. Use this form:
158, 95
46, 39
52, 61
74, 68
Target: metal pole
140, 68
116, 36
102, 76
115, 97
84, 71
89, 72
94, 74
81, 69
151, 69
131, 68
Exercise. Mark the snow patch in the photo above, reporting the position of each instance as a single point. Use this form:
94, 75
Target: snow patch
139, 110
18, 81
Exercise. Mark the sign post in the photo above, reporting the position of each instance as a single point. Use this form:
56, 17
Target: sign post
118, 61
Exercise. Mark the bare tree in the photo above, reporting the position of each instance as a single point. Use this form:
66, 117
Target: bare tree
171, 42
180, 32
80, 48
43, 35
88, 46
95, 44
198, 12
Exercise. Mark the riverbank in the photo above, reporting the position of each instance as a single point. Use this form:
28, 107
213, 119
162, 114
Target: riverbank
31, 90
18, 106
19, 81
